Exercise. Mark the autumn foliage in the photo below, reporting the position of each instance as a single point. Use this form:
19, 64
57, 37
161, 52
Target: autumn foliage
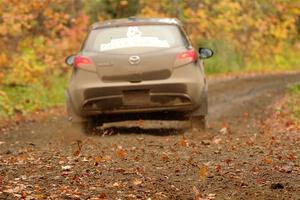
35, 37
243, 33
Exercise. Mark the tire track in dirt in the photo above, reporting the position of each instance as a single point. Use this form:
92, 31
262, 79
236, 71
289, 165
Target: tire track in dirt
232, 98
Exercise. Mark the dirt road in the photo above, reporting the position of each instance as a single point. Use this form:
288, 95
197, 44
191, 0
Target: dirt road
234, 159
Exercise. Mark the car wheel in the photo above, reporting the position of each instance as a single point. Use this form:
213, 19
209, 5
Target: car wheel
199, 122
72, 116
88, 127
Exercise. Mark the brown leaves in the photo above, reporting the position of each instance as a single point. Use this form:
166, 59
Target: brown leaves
225, 128
183, 142
164, 156
268, 160
203, 173
98, 159
102, 196
121, 153
218, 168
291, 157
66, 167
137, 182
228, 161
79, 147
197, 195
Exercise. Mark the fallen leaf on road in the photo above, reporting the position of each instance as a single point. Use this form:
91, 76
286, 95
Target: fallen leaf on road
137, 182
197, 193
121, 152
223, 130
39, 196
246, 114
291, 157
116, 184
107, 158
66, 167
228, 161
79, 147
164, 156
98, 159
218, 168
16, 189
211, 196
268, 160
183, 142
85, 159
217, 140
286, 169
76, 153
102, 196
203, 172
260, 181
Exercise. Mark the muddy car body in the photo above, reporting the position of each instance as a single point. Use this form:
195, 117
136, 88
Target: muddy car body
137, 66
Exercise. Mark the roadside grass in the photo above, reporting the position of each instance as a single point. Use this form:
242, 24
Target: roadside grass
294, 101
37, 96
227, 60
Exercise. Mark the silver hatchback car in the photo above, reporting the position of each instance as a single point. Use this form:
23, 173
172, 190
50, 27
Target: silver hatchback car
136, 65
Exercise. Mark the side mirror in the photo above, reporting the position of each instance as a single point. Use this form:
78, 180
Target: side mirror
70, 60
205, 53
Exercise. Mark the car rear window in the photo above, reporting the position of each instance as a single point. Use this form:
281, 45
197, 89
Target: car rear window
124, 37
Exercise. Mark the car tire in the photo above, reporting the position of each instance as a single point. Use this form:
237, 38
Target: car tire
72, 115
199, 122
87, 127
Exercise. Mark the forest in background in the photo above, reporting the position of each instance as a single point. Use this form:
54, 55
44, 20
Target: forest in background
37, 35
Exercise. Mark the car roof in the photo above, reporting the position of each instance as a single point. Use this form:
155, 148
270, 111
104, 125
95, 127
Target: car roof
131, 21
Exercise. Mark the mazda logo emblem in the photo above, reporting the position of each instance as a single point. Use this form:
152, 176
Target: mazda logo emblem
134, 60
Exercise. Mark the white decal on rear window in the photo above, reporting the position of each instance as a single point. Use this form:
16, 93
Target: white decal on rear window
133, 31
134, 39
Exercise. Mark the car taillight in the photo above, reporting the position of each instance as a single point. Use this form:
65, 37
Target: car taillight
85, 63
186, 57
81, 60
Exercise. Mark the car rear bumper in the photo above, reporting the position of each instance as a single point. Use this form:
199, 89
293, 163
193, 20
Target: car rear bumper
181, 92
152, 101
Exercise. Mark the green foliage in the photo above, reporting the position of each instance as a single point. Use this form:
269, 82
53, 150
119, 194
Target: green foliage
225, 59
5, 108
294, 89
294, 100
39, 95
297, 112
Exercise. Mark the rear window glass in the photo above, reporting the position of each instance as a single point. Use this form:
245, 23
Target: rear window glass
152, 36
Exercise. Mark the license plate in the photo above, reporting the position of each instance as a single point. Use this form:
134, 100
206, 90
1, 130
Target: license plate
136, 97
